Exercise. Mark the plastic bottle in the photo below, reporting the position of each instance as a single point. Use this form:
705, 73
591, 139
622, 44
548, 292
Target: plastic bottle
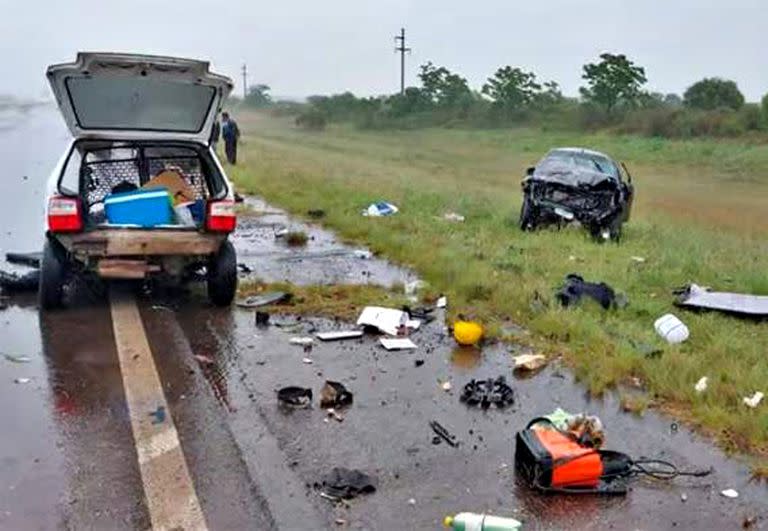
481, 522
671, 328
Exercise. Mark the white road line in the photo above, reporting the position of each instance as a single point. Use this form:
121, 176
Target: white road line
168, 488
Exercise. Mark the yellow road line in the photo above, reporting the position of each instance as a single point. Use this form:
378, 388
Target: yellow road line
168, 487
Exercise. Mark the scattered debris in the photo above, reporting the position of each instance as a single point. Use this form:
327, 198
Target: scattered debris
576, 287
442, 434
265, 299
22, 380
295, 396
413, 324
380, 208
282, 231
336, 336
411, 288
17, 359
729, 493
683, 497
754, 400
362, 254
335, 395
467, 333
158, 415
386, 320
481, 522
442, 302
446, 386
333, 414
529, 362
343, 483
701, 385
418, 363
453, 216
693, 296
397, 343
301, 341
307, 361
26, 259
412, 501
262, 318
487, 392
244, 268
748, 522
316, 213
672, 329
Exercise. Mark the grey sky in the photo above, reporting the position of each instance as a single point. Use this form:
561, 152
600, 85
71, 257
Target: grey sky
303, 47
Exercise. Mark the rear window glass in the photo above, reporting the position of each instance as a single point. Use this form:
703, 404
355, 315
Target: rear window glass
139, 103
578, 160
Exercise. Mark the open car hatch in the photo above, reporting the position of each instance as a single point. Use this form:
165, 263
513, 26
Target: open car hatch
132, 97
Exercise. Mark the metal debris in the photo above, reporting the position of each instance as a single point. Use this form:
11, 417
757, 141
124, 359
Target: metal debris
488, 392
442, 434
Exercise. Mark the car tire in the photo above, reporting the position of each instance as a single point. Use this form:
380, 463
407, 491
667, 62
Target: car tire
222, 275
53, 274
527, 215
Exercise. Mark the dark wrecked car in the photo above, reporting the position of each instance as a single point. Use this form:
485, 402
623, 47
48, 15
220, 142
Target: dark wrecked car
577, 185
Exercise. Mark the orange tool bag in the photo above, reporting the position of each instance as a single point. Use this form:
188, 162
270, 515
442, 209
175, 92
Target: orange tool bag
551, 460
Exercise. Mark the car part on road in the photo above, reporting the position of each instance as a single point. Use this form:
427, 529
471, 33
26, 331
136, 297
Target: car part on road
335, 395
485, 393
577, 185
529, 362
671, 328
340, 335
442, 434
481, 522
295, 396
386, 320
697, 297
467, 333
397, 343
264, 299
575, 288
222, 275
53, 276
344, 483
26, 259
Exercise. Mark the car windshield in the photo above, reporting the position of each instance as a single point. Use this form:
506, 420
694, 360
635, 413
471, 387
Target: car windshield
560, 160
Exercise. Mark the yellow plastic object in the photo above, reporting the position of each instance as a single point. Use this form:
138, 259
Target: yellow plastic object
467, 332
448, 521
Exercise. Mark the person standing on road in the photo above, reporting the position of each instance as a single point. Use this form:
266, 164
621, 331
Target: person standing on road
230, 133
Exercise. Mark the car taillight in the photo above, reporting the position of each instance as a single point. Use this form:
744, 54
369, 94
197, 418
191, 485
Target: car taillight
64, 214
221, 216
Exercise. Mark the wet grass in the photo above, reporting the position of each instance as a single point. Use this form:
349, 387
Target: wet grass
343, 302
699, 217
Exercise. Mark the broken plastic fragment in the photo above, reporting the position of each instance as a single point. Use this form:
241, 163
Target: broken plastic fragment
380, 208
754, 400
22, 380
530, 362
307, 361
442, 302
264, 299
386, 320
301, 341
446, 386
397, 344
17, 359
671, 328
362, 254
343, 334
730, 493
701, 385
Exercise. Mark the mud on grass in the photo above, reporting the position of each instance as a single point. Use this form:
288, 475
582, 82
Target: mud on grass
343, 302
492, 271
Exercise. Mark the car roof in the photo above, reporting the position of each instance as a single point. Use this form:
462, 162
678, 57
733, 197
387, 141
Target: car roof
584, 151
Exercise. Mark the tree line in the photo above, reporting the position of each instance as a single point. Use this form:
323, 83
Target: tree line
613, 96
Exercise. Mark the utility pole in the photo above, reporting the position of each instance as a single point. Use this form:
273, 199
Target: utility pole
402, 49
245, 81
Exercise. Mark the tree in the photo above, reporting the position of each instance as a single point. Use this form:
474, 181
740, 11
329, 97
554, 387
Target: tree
764, 107
714, 93
673, 100
512, 88
443, 87
258, 96
613, 81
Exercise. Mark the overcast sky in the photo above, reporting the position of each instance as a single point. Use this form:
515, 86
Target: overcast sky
303, 47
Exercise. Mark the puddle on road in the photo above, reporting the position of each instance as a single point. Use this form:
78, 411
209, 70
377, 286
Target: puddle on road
386, 432
323, 260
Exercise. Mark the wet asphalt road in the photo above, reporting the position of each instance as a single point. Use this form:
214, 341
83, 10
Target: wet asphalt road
68, 461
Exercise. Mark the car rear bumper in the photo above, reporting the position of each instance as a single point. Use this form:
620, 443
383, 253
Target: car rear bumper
109, 242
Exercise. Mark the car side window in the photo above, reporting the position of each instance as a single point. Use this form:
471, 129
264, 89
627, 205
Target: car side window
70, 179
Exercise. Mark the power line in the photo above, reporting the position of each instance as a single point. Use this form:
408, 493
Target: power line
402, 49
245, 81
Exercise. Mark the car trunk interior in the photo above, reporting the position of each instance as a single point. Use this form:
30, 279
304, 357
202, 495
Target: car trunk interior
101, 169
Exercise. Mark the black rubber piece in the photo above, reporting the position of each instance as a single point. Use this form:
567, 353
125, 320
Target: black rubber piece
53, 270
222, 275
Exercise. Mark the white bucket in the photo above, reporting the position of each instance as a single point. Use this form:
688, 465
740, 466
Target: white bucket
671, 328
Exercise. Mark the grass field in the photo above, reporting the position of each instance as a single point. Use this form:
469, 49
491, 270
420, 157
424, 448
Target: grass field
700, 216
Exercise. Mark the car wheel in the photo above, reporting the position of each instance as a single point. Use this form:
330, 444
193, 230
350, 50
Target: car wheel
53, 272
222, 275
527, 215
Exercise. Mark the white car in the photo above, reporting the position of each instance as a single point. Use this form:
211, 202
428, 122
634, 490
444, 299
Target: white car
142, 128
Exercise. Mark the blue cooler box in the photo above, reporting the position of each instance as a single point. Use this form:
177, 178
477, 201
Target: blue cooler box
147, 208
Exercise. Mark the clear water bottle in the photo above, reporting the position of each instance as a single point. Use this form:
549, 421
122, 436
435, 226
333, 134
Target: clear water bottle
481, 522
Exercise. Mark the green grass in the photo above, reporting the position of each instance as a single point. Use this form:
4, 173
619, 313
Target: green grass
699, 217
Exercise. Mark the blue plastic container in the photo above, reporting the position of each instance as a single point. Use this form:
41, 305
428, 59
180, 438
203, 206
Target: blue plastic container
146, 207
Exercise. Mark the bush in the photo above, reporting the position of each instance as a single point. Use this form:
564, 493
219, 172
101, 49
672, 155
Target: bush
714, 93
311, 120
